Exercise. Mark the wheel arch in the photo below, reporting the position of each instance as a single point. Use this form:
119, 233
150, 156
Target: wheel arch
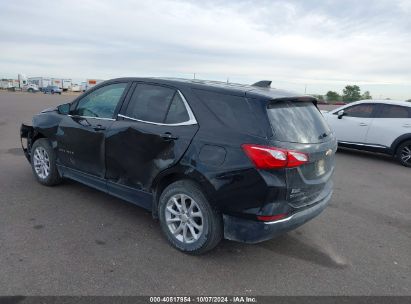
174, 174
398, 141
31, 134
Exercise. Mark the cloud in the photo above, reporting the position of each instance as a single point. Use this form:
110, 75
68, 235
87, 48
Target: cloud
325, 44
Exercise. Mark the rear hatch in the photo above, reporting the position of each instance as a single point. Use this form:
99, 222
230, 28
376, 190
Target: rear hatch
298, 125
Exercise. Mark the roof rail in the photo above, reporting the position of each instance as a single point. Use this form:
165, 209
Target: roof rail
262, 84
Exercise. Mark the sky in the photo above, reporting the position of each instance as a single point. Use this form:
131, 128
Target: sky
307, 46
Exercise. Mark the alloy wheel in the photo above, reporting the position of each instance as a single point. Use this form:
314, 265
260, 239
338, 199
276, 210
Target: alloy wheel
406, 154
41, 162
184, 218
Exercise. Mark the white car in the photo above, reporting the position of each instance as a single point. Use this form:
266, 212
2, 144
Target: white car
75, 88
374, 125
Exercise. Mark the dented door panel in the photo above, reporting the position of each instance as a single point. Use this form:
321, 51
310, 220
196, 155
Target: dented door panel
136, 152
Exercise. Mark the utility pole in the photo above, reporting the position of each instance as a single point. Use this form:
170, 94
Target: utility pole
194, 75
305, 89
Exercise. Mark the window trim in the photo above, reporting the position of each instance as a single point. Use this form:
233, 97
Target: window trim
191, 118
91, 117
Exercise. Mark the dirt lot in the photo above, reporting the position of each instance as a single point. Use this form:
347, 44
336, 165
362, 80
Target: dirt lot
73, 240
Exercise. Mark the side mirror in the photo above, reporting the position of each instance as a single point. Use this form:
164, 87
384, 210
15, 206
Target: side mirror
64, 109
340, 114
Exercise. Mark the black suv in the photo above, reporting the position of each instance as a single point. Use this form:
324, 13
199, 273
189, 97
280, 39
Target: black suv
209, 159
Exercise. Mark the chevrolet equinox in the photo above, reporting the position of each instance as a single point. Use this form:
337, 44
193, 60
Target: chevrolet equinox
210, 160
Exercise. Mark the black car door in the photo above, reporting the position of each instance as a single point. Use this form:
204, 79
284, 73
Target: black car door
151, 133
81, 135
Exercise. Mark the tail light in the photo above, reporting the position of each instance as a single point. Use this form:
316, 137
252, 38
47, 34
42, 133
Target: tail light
265, 157
271, 218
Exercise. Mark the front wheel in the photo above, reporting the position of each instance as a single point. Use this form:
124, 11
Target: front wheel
43, 163
404, 153
188, 220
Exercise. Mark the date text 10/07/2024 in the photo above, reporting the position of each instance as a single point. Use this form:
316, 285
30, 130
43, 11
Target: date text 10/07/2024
203, 299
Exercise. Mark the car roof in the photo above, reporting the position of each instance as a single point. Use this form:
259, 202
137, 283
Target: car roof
383, 101
219, 86
379, 101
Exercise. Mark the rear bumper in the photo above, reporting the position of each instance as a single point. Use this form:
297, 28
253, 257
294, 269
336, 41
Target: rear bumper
249, 231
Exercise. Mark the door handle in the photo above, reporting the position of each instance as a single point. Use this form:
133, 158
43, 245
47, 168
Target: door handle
407, 125
169, 136
99, 128
363, 124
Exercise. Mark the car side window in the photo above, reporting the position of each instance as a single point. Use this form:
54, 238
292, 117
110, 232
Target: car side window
102, 102
362, 110
394, 111
177, 112
157, 104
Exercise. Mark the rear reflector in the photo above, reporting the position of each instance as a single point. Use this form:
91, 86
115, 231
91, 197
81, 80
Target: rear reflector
271, 218
265, 157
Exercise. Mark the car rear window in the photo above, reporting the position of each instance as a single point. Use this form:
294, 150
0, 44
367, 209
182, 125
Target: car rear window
394, 111
233, 111
177, 112
297, 121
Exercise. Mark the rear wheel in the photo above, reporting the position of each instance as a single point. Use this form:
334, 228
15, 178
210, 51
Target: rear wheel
404, 153
43, 163
188, 220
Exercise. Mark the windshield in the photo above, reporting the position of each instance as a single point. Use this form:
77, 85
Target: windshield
299, 122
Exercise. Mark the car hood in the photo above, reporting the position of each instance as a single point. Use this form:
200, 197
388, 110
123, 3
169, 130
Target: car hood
49, 110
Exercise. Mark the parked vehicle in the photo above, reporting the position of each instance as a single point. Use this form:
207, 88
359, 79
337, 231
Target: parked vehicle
5, 83
209, 159
23, 81
374, 125
52, 90
31, 88
83, 86
12, 85
90, 83
75, 88
41, 82
66, 84
57, 82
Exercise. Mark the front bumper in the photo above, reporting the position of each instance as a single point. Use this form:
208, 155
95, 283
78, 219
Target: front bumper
249, 231
26, 134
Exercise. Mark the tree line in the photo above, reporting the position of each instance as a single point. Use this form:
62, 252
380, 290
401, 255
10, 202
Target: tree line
350, 93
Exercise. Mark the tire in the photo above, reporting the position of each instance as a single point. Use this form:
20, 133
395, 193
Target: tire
42, 154
404, 153
52, 92
30, 90
210, 222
